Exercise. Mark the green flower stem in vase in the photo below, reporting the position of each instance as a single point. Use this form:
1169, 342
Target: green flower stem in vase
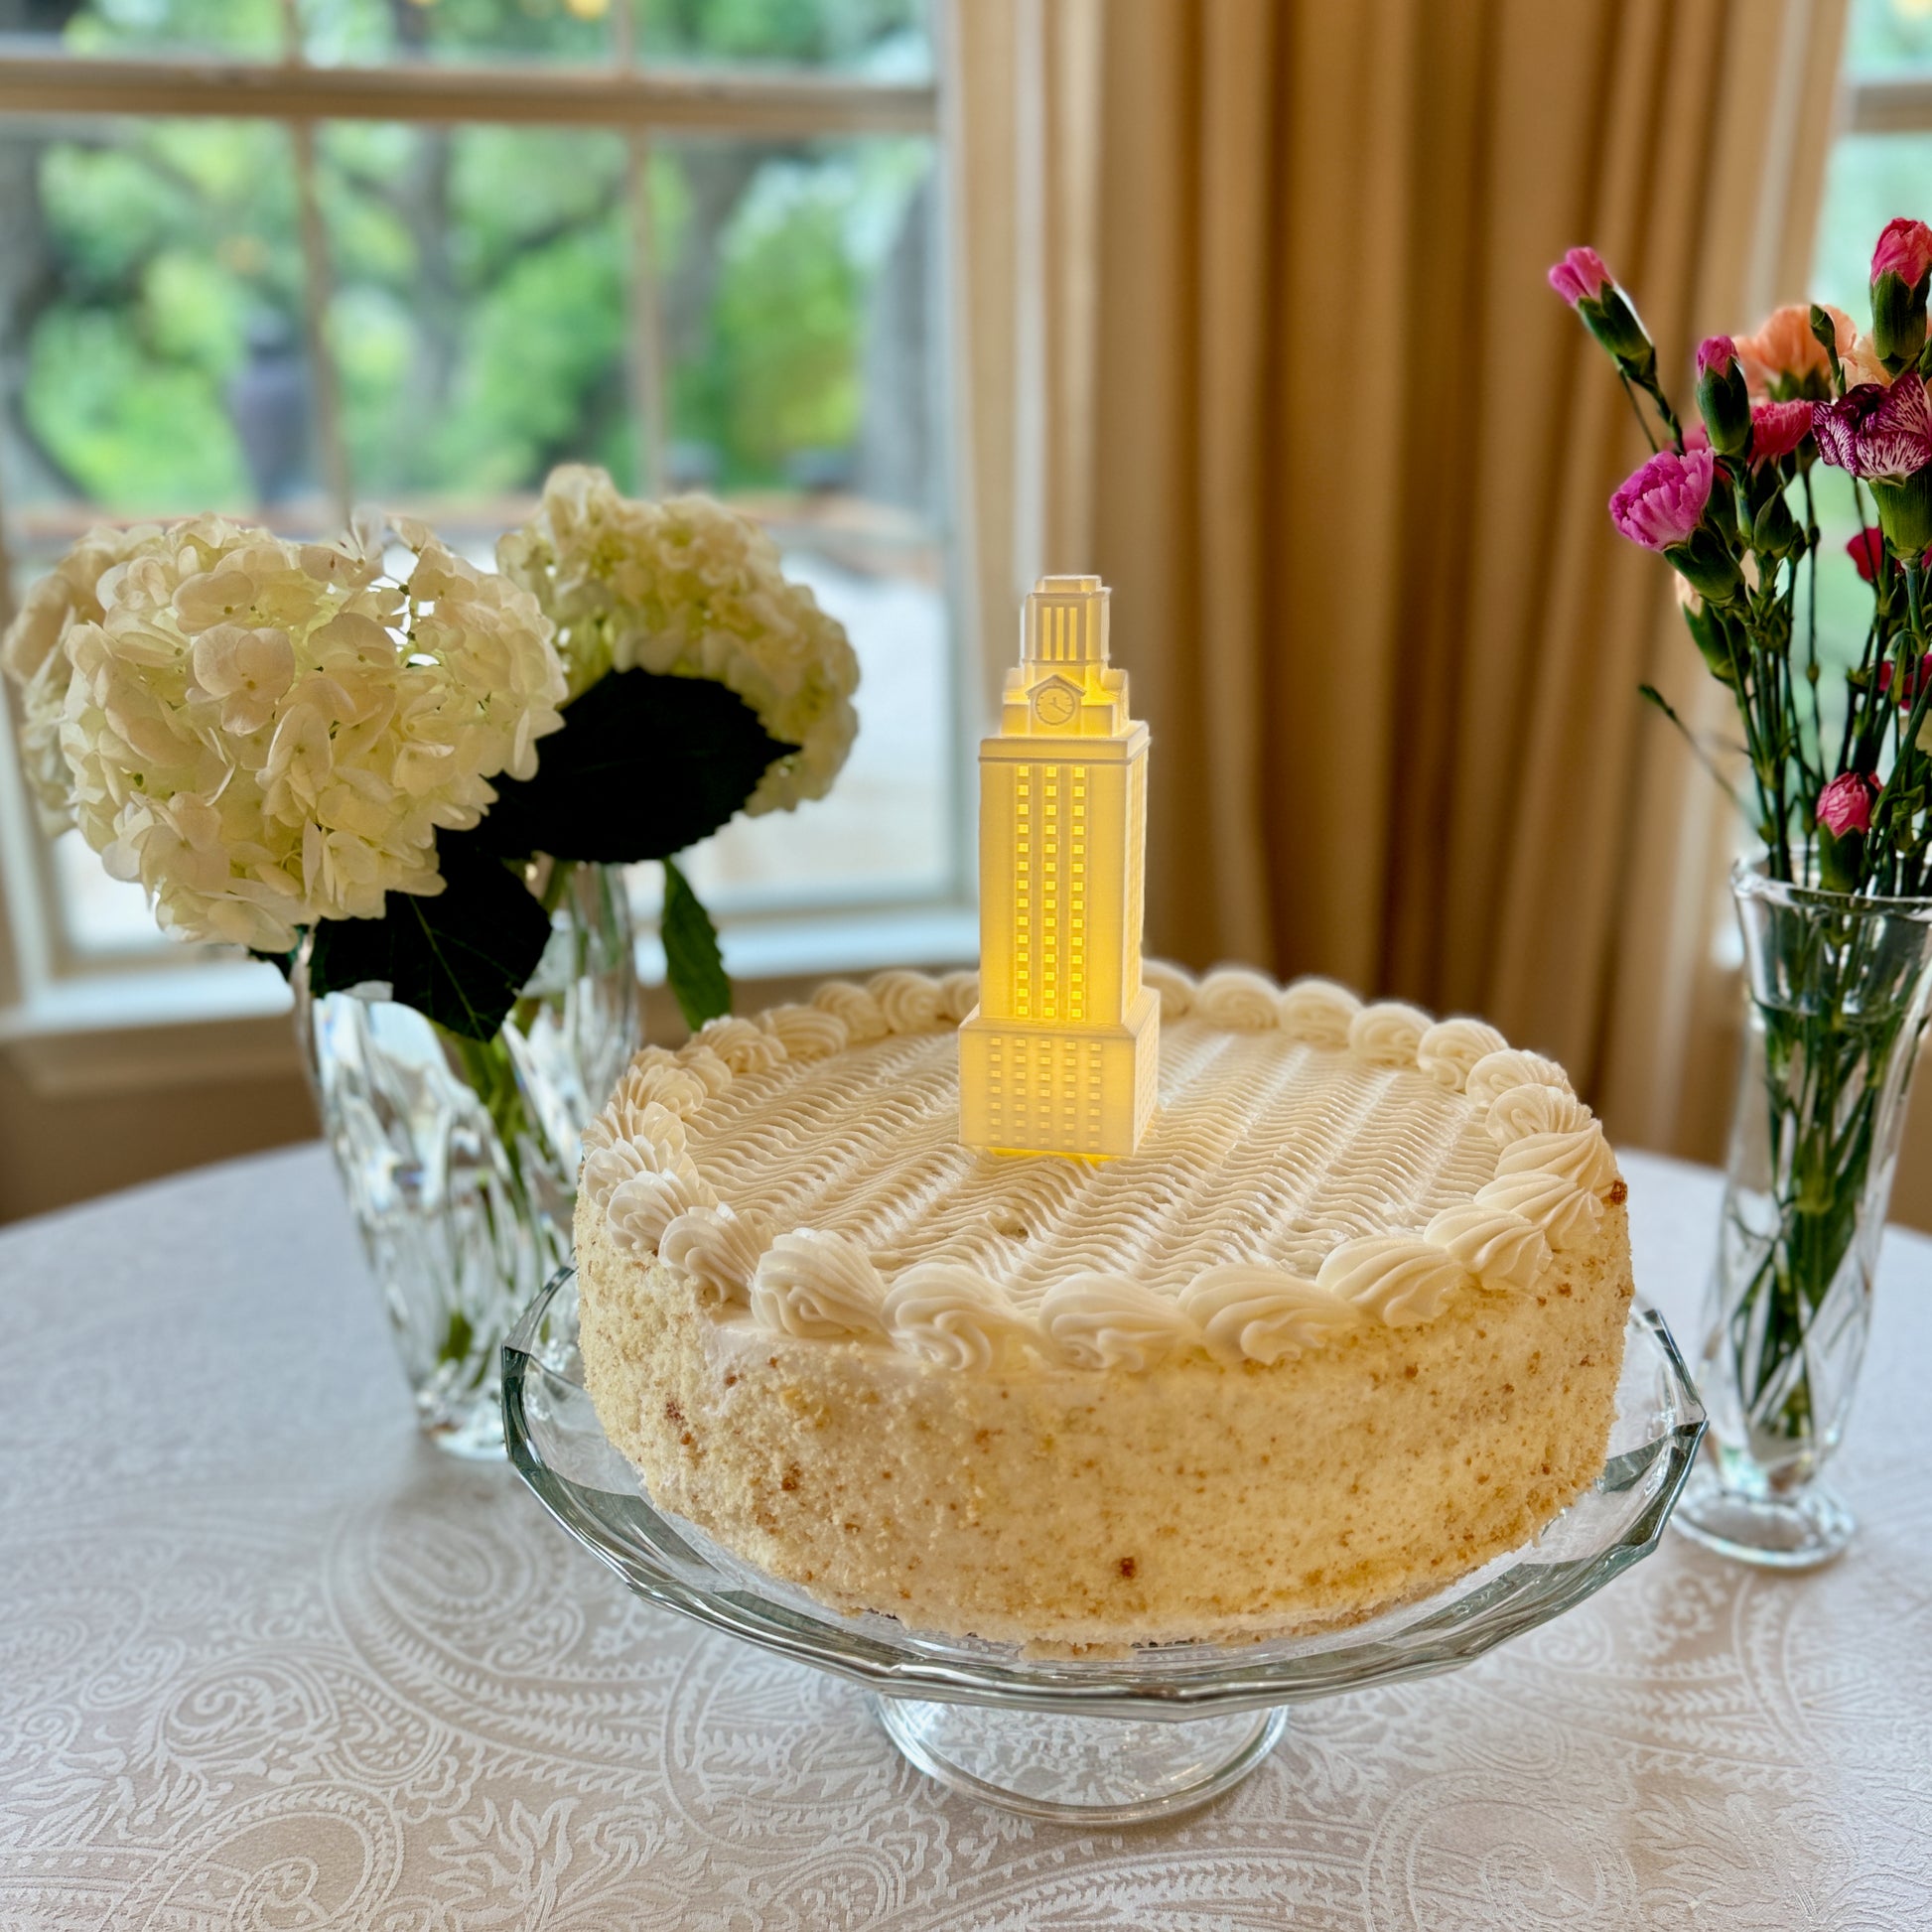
1838, 989
459, 1156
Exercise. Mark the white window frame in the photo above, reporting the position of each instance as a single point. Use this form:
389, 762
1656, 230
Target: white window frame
75, 1022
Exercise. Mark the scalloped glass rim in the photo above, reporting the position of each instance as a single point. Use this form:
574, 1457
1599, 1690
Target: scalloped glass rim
561, 1451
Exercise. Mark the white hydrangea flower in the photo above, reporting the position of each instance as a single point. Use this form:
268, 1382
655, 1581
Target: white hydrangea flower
265, 734
33, 653
691, 587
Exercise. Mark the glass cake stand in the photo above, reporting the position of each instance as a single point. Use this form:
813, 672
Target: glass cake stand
1091, 1740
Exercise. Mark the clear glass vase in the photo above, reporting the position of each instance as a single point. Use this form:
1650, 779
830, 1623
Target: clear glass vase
460, 1157
1837, 993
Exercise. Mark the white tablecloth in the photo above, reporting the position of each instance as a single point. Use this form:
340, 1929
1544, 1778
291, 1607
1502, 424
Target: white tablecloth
268, 1661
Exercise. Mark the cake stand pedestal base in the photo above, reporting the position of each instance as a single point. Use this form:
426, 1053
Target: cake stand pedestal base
1080, 1770
1795, 1532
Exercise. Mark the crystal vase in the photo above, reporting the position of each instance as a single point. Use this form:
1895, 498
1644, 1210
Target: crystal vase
460, 1157
1836, 994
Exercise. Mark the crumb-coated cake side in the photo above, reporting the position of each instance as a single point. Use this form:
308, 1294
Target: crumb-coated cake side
1349, 1324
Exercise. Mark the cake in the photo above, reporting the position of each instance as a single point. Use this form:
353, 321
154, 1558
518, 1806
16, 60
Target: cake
1346, 1325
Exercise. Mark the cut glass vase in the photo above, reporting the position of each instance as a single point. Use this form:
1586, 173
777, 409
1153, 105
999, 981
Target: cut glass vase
1837, 990
460, 1157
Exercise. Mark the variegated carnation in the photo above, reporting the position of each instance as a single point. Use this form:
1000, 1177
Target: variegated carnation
264, 733
692, 589
33, 653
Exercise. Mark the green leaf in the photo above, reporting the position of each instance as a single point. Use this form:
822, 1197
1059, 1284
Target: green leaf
693, 965
644, 766
458, 1339
461, 958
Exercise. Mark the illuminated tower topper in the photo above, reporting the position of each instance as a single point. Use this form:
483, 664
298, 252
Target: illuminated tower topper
1061, 1055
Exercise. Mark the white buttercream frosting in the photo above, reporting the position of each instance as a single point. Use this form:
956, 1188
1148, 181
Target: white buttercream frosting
1318, 1011
1500, 1248
819, 1286
717, 1249
743, 1045
1316, 1163
909, 1000
1239, 1000
1398, 1276
953, 1317
865, 1019
1450, 1049
1387, 1034
1110, 1321
641, 1207
1263, 1315
806, 1033
1509, 1067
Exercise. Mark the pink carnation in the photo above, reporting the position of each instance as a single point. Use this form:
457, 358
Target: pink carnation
1844, 805
1716, 352
1663, 502
1580, 273
1874, 432
1904, 249
1777, 428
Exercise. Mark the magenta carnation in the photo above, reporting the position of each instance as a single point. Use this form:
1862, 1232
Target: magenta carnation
1872, 431
1663, 502
1580, 273
1716, 352
1904, 249
1864, 550
1844, 805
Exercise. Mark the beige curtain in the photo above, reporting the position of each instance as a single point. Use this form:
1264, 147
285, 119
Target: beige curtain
1344, 458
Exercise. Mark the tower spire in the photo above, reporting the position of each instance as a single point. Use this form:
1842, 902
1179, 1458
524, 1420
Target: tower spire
1061, 1052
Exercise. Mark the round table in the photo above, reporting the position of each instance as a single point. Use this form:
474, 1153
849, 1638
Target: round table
267, 1660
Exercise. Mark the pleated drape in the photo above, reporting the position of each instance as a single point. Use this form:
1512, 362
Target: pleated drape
1350, 464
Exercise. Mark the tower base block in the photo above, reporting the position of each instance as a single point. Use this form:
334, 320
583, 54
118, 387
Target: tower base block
1044, 1088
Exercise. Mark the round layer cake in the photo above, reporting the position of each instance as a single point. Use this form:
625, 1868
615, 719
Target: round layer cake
1349, 1325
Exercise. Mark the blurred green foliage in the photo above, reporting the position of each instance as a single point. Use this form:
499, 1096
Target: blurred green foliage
481, 312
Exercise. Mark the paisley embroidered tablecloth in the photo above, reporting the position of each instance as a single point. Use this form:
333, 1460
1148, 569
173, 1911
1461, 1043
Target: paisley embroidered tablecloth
267, 1661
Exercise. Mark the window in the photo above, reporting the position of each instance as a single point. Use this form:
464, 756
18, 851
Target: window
448, 244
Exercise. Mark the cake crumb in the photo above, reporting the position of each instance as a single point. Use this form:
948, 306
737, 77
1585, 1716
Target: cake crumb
1128, 1566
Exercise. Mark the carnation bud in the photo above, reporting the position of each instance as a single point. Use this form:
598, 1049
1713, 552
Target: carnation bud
1823, 331
1705, 634
1774, 530
1724, 401
1906, 510
1705, 562
1613, 322
1898, 321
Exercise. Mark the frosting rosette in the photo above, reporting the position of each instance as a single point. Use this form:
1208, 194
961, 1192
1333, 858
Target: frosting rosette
687, 588
264, 733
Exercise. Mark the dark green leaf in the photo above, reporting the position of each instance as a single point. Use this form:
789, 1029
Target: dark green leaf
458, 1339
693, 965
644, 766
461, 957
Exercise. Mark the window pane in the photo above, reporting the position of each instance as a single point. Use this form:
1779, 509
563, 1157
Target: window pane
151, 333
1885, 37
246, 29
1869, 179
372, 31
479, 318
885, 40
798, 309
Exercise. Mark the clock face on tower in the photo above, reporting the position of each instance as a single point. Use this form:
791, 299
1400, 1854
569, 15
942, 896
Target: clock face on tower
1054, 705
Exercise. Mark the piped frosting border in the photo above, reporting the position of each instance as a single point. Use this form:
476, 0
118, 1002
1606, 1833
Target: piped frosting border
1555, 1176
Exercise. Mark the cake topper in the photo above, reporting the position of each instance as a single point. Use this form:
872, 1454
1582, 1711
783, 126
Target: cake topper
1061, 1052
